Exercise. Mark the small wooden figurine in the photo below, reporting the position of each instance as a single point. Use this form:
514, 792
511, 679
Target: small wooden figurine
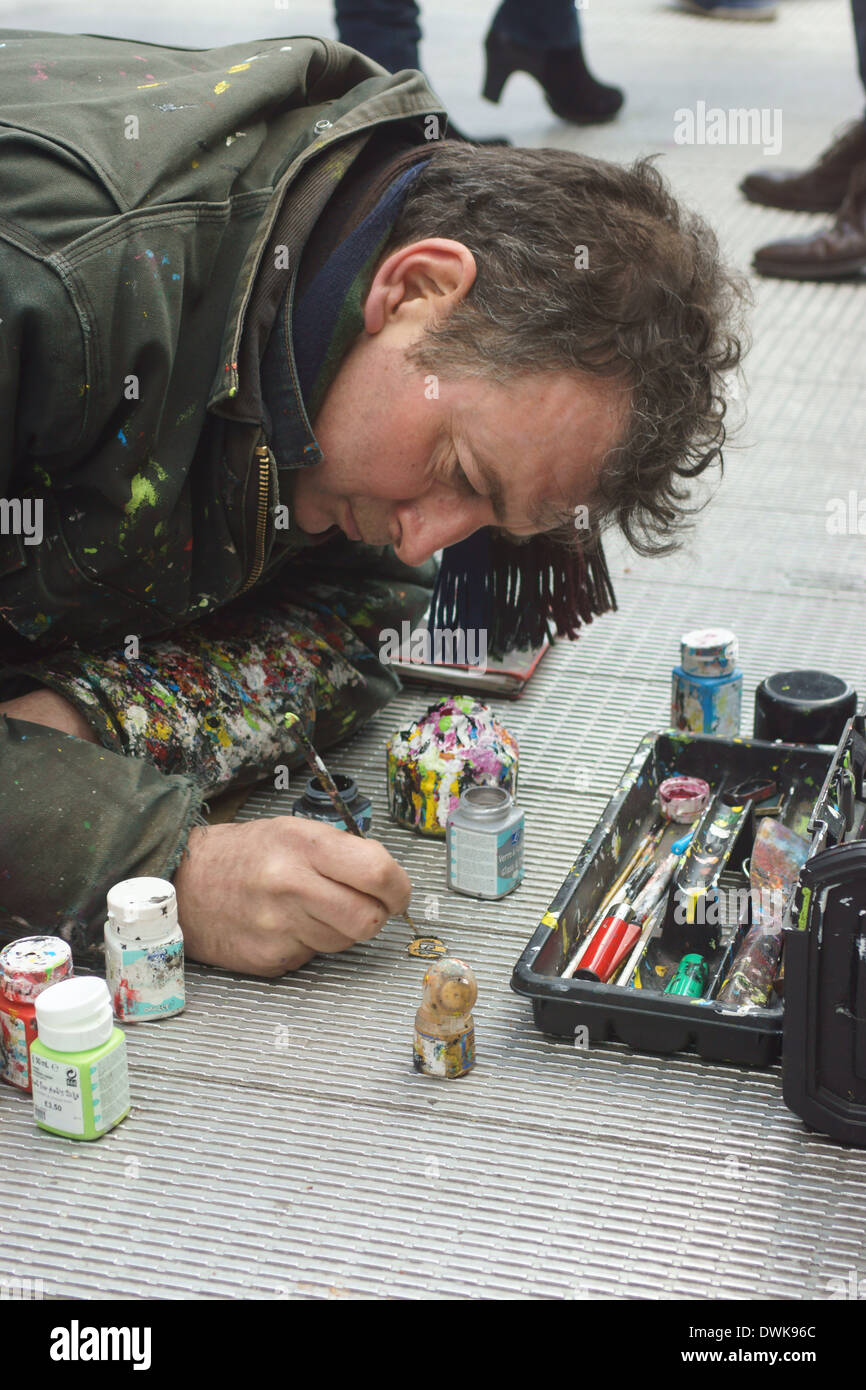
444, 1031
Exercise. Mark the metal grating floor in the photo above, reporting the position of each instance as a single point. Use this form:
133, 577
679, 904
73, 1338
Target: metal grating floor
281, 1145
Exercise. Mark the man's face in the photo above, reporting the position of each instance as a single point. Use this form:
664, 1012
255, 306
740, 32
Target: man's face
406, 466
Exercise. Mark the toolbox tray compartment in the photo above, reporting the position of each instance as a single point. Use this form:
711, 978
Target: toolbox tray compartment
643, 1019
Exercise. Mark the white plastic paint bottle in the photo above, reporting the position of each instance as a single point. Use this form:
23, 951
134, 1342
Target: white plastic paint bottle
78, 1062
144, 950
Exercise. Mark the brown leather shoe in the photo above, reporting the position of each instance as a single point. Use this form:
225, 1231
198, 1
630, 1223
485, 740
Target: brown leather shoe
833, 254
818, 189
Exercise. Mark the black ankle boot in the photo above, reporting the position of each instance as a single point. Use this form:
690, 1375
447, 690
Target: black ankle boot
571, 91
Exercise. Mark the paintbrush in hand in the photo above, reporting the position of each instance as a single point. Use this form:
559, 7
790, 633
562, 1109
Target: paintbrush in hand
318, 769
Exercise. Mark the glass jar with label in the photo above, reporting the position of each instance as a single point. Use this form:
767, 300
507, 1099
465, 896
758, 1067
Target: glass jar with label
484, 839
27, 967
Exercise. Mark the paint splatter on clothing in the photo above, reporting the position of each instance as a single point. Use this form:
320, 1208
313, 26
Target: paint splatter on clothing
195, 714
208, 702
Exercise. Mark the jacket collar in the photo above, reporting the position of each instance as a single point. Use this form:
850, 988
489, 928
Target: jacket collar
272, 260
315, 328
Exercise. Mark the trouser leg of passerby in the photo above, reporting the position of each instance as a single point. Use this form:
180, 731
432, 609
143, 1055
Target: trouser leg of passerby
544, 24
388, 31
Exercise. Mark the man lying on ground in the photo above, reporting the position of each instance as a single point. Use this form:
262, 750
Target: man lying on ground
268, 343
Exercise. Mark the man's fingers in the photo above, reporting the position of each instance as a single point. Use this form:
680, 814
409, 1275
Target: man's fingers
320, 936
264, 896
344, 914
364, 865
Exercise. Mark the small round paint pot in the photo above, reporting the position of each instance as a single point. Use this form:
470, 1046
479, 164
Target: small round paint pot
682, 799
803, 707
316, 804
78, 1061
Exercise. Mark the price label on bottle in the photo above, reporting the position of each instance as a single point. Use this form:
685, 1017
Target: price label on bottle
57, 1098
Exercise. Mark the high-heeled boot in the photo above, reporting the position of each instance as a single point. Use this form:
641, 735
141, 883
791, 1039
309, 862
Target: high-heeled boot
570, 89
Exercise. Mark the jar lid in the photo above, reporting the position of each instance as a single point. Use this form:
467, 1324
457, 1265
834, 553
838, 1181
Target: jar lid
148, 906
31, 964
75, 1015
709, 651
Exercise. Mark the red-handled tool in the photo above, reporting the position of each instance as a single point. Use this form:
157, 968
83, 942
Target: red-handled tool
614, 938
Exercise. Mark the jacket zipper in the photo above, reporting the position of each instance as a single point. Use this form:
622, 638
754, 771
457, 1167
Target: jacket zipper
263, 455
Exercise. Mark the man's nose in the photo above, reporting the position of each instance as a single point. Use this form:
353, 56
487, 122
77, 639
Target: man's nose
427, 525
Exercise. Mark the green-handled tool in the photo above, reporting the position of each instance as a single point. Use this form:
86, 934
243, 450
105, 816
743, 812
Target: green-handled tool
690, 979
428, 947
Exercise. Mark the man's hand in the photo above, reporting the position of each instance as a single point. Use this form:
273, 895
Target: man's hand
265, 896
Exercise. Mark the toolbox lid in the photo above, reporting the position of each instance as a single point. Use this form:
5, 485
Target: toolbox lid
824, 1019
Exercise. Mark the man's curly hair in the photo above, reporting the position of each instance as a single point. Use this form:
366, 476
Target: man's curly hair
654, 307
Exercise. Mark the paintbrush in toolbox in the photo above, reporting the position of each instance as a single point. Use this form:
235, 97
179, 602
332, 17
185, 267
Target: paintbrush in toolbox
715, 836
621, 928
655, 917
641, 856
426, 945
635, 873
650, 905
657, 885
622, 899
623, 940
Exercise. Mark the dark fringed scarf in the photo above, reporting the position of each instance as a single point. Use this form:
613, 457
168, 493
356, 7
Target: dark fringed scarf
515, 592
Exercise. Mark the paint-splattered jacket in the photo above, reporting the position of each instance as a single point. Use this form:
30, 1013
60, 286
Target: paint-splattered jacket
156, 202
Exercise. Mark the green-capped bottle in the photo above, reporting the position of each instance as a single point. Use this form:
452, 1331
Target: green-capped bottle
78, 1061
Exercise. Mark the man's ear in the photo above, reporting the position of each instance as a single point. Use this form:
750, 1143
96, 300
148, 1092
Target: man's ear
416, 282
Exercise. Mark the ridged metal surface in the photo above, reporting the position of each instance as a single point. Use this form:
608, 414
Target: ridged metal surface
280, 1144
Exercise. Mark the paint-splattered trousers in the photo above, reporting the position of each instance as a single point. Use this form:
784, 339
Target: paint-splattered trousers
191, 715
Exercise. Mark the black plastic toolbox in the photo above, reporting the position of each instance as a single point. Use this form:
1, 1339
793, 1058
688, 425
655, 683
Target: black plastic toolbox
651, 1022
823, 1020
